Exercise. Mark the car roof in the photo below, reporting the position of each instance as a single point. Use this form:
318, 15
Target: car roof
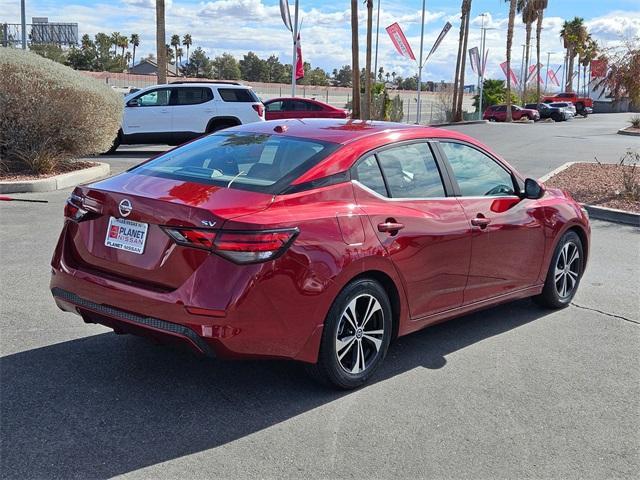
309, 100
344, 131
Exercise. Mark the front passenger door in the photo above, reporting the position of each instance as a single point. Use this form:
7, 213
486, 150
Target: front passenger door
148, 113
508, 234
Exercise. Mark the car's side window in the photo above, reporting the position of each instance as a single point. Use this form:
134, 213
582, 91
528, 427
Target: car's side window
477, 174
411, 171
155, 98
191, 95
275, 107
369, 174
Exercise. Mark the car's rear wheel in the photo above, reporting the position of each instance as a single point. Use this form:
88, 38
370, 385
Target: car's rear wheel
557, 117
564, 273
114, 146
492, 119
356, 336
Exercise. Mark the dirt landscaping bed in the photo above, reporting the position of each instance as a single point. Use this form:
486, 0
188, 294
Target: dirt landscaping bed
603, 185
62, 168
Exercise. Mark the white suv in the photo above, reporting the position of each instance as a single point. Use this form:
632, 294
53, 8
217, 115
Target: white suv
181, 111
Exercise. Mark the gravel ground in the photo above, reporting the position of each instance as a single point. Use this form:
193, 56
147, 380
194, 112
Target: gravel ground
600, 184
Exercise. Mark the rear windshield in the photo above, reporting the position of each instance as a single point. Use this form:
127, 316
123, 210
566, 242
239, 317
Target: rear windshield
238, 95
252, 161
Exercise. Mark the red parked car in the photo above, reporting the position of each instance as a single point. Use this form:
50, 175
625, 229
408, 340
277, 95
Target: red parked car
319, 241
282, 108
498, 113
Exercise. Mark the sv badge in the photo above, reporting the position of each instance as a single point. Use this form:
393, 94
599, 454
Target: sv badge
208, 223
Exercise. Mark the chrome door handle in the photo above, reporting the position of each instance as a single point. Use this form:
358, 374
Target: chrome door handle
480, 222
390, 227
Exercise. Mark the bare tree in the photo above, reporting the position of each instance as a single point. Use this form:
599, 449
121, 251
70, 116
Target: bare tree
355, 60
161, 50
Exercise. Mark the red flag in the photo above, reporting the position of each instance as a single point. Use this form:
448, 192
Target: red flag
400, 41
299, 62
551, 75
532, 72
514, 79
598, 68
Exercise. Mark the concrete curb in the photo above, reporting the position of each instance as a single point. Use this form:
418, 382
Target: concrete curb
57, 182
468, 122
613, 215
600, 213
624, 131
546, 177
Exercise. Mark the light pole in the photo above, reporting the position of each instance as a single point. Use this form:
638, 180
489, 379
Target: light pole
23, 19
522, 68
294, 60
375, 68
483, 34
419, 109
546, 78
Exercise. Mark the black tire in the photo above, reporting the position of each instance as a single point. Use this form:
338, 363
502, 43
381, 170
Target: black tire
492, 119
114, 146
334, 372
552, 295
215, 126
557, 117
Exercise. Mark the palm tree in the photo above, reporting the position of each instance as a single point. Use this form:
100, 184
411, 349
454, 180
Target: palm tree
355, 67
179, 54
187, 42
574, 34
127, 58
540, 6
135, 41
387, 75
161, 51
393, 75
367, 83
529, 15
175, 43
170, 54
466, 13
115, 39
123, 43
512, 19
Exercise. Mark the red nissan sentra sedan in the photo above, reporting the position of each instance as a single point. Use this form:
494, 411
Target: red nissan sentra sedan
319, 241
286, 108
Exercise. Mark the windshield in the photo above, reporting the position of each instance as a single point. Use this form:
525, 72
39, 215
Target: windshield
253, 161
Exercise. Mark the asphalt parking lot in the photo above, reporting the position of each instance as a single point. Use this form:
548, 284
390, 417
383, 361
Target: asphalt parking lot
511, 392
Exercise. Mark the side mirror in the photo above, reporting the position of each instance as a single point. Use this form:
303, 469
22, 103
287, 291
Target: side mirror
133, 103
532, 189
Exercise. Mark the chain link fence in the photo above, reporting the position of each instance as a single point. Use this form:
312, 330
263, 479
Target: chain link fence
434, 105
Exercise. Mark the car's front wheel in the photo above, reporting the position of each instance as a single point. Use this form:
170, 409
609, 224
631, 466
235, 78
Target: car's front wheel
356, 336
564, 273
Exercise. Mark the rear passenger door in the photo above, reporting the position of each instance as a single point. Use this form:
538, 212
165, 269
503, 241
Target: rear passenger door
407, 198
192, 108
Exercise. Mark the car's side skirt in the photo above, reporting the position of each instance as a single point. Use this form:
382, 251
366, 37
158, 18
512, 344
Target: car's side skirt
422, 322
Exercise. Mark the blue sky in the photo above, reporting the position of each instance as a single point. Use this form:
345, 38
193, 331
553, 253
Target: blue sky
237, 26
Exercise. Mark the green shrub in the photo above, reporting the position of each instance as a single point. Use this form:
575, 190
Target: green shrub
50, 114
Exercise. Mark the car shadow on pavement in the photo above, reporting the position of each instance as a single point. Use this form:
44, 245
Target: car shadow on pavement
105, 405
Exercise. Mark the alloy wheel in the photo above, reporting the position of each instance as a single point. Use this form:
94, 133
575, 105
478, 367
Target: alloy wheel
360, 334
567, 271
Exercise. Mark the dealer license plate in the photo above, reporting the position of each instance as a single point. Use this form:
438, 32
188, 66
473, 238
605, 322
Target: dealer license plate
126, 235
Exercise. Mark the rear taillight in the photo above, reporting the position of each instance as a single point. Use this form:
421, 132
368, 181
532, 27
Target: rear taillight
73, 208
259, 108
237, 246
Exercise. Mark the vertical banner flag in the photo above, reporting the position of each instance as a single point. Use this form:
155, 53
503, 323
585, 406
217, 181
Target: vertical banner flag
598, 68
514, 79
532, 72
299, 62
443, 33
286, 14
474, 59
400, 41
551, 75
